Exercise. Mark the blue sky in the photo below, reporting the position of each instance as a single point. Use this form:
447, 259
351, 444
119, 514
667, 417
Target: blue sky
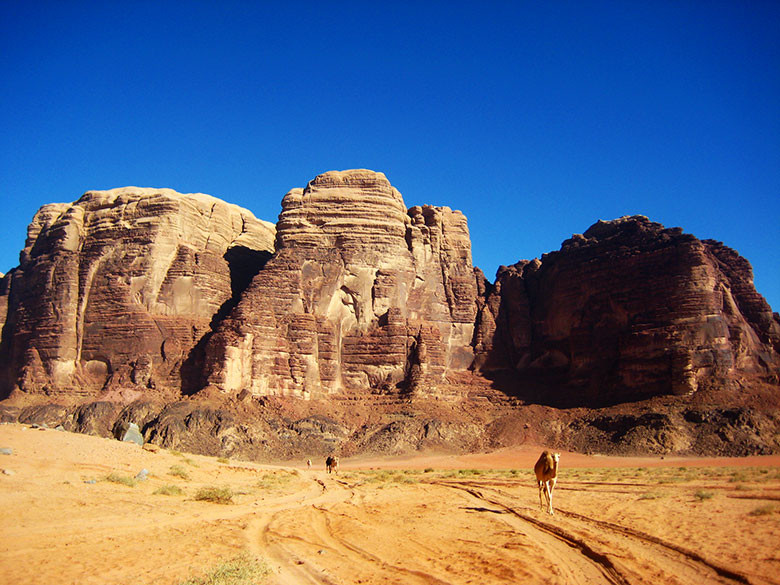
534, 118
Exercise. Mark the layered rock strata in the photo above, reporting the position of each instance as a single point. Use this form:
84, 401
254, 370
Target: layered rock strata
5, 286
362, 295
115, 289
626, 311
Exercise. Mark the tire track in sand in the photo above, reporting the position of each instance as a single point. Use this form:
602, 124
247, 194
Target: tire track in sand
669, 557
586, 566
320, 537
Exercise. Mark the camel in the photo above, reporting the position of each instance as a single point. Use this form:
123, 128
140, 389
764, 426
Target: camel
332, 464
546, 470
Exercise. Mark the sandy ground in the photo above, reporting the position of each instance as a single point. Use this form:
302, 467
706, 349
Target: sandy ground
432, 519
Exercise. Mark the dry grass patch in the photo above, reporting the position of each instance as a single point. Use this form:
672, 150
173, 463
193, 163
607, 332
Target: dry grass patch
168, 490
764, 510
216, 495
651, 496
242, 570
275, 480
121, 479
179, 471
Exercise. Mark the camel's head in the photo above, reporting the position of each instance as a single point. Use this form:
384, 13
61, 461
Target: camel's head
556, 457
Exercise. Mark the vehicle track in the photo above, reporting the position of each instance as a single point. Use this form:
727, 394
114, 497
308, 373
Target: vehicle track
676, 557
317, 514
590, 564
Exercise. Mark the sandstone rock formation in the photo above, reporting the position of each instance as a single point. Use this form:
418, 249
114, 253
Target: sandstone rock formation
626, 311
5, 286
196, 321
362, 295
114, 290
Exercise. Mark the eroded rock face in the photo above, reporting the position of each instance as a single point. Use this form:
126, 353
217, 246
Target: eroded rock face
626, 311
361, 295
115, 289
5, 287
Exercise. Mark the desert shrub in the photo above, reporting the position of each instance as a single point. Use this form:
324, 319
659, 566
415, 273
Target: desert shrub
274, 480
428, 470
701, 495
189, 461
168, 490
406, 479
380, 476
651, 496
179, 471
242, 570
738, 476
123, 479
223, 460
215, 495
764, 510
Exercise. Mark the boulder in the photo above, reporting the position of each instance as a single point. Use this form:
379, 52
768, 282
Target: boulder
129, 432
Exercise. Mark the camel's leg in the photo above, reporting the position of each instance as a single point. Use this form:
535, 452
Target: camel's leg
551, 487
546, 496
541, 491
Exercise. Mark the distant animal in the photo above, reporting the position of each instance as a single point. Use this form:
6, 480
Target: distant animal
546, 470
308, 463
332, 464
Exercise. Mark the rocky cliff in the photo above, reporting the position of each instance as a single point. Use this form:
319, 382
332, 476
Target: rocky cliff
626, 311
362, 296
5, 287
114, 290
199, 322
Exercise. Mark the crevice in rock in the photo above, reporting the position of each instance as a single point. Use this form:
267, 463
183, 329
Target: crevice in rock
244, 264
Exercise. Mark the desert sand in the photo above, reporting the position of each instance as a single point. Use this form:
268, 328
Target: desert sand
72, 514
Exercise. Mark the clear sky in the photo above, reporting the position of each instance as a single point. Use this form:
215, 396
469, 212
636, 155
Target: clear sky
534, 118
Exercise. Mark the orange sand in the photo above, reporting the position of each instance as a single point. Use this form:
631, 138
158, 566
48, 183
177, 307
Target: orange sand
617, 520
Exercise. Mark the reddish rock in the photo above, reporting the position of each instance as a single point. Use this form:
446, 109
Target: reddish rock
374, 314
626, 311
115, 289
5, 287
362, 295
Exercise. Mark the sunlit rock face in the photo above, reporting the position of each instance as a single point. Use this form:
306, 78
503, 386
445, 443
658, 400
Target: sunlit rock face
362, 295
625, 311
117, 288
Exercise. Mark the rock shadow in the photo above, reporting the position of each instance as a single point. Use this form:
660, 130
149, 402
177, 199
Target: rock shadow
244, 264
